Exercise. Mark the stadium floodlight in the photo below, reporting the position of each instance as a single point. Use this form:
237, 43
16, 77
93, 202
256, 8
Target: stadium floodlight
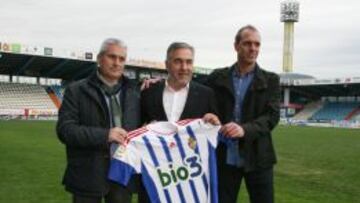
289, 15
289, 11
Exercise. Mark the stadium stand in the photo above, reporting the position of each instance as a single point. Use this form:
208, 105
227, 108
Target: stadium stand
54, 96
32, 82
309, 110
356, 115
24, 96
58, 91
335, 111
352, 113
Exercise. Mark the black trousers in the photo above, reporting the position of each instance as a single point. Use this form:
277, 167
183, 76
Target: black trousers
143, 196
117, 194
259, 184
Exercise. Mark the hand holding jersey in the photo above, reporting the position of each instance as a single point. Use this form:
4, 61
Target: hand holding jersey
211, 118
117, 135
232, 130
177, 161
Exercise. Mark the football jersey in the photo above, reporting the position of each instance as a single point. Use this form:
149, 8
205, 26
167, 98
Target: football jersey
177, 161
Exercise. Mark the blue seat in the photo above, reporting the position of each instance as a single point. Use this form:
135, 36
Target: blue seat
335, 110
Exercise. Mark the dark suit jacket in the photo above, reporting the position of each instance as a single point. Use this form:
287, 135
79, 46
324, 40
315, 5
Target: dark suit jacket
83, 126
200, 101
259, 117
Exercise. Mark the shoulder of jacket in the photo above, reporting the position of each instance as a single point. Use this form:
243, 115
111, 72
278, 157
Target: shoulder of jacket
153, 87
77, 84
201, 87
269, 74
133, 85
219, 71
272, 75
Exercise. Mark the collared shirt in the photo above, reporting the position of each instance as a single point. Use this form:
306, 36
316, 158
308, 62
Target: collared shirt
174, 101
241, 85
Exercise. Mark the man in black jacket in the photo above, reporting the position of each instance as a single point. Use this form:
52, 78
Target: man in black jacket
96, 113
178, 97
248, 97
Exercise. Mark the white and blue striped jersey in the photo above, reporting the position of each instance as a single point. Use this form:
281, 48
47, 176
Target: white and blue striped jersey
177, 161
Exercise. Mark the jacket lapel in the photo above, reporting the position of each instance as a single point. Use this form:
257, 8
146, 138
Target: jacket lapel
258, 84
159, 100
190, 101
259, 81
95, 94
225, 80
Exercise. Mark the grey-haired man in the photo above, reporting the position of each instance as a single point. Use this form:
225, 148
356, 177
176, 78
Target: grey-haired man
97, 112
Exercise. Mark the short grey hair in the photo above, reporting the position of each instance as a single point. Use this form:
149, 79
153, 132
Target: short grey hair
110, 41
241, 30
178, 45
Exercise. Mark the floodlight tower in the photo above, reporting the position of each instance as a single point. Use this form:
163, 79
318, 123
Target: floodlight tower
289, 15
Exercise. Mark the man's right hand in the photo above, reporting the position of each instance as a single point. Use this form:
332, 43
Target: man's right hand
117, 135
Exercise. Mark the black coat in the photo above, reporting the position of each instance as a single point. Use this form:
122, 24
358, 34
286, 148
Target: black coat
200, 100
259, 117
83, 126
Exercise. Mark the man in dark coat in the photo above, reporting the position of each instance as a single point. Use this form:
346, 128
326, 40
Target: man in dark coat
178, 97
248, 100
96, 113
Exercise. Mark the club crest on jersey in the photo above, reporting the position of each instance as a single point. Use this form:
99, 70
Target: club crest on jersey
173, 174
172, 145
192, 143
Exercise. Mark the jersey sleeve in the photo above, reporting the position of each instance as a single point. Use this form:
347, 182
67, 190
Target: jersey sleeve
211, 132
124, 163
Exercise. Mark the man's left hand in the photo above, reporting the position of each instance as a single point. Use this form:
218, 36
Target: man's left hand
232, 130
211, 118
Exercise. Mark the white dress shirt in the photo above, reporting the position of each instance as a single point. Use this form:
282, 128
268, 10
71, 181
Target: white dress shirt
174, 101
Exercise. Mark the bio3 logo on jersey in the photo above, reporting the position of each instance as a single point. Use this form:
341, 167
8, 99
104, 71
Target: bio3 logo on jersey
173, 174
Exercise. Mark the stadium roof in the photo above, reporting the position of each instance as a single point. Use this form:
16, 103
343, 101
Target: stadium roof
317, 91
21, 60
316, 88
44, 66
35, 61
26, 60
294, 76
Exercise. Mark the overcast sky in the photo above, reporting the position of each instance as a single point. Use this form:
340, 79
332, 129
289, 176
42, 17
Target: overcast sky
327, 36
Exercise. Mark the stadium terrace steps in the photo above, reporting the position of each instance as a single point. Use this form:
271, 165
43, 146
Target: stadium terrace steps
55, 95
335, 111
309, 110
55, 99
352, 113
356, 116
24, 96
59, 91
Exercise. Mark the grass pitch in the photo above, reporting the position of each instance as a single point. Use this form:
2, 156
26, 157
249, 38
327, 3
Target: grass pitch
315, 165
